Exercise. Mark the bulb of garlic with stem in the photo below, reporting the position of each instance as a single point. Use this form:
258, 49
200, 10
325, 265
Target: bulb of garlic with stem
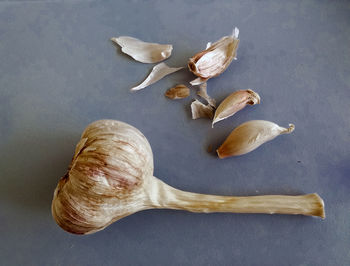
111, 176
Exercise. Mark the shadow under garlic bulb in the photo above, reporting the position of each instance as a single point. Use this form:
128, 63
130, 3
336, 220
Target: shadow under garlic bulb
111, 176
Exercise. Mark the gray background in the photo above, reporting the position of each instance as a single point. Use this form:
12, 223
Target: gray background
59, 72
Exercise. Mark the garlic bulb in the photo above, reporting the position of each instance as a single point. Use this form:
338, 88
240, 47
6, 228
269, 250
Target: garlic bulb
111, 176
215, 59
249, 136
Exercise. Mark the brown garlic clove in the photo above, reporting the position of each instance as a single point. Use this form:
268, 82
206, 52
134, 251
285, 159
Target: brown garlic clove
235, 102
178, 92
216, 58
249, 136
111, 176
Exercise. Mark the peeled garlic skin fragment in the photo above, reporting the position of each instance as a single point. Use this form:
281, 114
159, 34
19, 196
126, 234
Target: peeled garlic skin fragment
158, 72
200, 110
143, 52
249, 136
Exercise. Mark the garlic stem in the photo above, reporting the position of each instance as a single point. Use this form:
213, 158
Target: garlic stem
172, 198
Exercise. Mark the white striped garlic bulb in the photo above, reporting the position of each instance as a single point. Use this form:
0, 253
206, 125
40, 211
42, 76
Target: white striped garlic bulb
111, 176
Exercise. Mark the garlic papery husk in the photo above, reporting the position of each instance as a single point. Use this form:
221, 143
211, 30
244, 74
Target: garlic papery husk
234, 102
111, 177
202, 92
249, 136
200, 110
216, 58
144, 52
178, 92
158, 72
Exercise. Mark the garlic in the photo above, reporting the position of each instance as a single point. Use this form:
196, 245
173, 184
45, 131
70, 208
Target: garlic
204, 94
198, 81
200, 110
111, 176
158, 72
143, 51
234, 102
249, 136
178, 92
216, 58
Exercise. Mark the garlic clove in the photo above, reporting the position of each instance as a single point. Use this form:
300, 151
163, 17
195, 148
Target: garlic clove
143, 52
216, 58
158, 72
249, 136
202, 92
235, 102
200, 110
178, 92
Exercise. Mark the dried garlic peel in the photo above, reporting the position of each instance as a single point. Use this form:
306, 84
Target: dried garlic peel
144, 52
235, 102
178, 92
216, 58
198, 81
249, 136
200, 110
204, 94
158, 72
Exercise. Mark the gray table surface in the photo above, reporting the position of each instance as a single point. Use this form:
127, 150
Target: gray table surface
59, 72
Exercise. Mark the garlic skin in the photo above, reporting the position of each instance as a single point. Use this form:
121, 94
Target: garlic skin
235, 102
200, 110
202, 92
111, 176
249, 136
158, 72
144, 52
216, 58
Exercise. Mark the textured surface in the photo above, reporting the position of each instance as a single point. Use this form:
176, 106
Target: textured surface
59, 72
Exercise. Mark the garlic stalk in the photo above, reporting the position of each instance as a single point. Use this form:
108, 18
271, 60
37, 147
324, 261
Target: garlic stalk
249, 136
235, 102
216, 58
111, 176
143, 52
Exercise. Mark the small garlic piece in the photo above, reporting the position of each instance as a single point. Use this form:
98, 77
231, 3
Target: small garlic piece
202, 92
249, 136
216, 58
178, 92
235, 102
158, 72
143, 52
200, 110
